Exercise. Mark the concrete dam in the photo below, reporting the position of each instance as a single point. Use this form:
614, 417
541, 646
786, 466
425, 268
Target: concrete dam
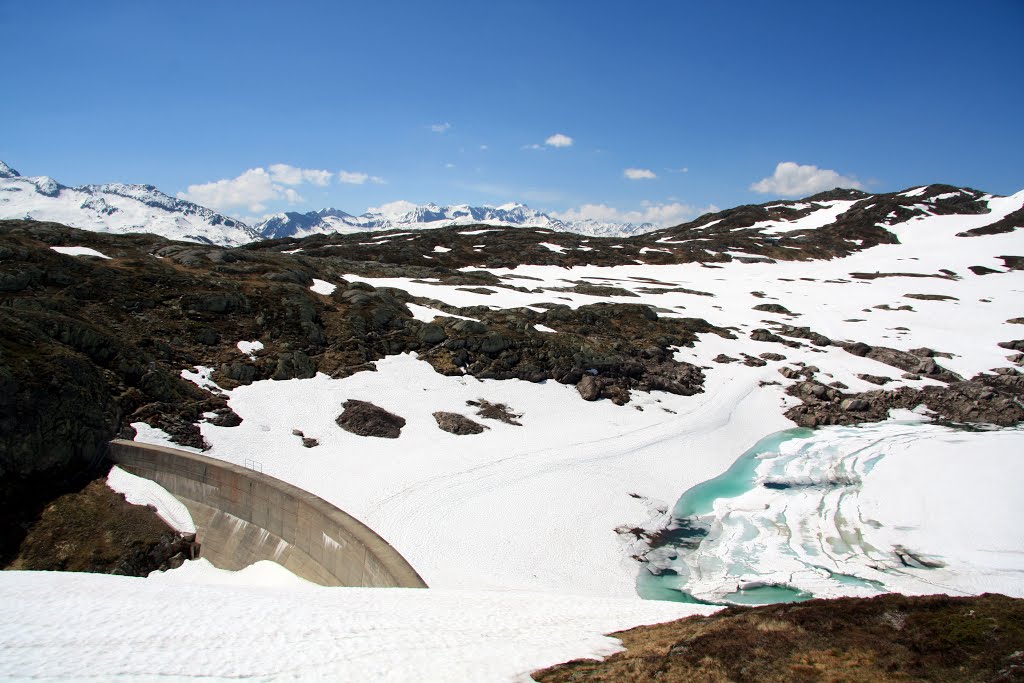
243, 516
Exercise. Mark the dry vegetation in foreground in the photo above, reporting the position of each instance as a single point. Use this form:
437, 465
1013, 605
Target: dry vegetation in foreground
887, 638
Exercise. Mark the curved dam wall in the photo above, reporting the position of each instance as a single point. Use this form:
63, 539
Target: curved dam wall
243, 516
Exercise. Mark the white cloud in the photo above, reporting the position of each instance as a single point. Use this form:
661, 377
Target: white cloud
639, 174
352, 177
440, 127
449, 165
484, 148
659, 214
253, 189
396, 208
357, 178
258, 186
793, 180
559, 140
290, 175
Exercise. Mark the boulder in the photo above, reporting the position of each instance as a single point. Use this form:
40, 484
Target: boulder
431, 334
454, 423
366, 419
589, 388
294, 365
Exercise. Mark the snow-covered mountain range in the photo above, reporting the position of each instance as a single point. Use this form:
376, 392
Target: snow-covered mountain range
409, 216
124, 208
116, 208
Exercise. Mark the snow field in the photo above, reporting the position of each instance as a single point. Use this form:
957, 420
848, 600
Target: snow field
260, 626
140, 491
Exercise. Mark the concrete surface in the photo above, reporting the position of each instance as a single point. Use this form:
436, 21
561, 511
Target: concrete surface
243, 516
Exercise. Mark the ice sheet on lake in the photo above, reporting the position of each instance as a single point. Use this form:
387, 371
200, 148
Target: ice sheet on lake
909, 508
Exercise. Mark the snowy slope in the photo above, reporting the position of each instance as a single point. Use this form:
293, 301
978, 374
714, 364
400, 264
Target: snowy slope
532, 536
408, 216
116, 208
199, 622
576, 471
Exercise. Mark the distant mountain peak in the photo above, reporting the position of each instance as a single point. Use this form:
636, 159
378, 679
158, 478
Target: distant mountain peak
406, 215
116, 208
8, 172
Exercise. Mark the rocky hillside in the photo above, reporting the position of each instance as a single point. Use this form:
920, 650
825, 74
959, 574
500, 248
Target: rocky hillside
91, 344
888, 638
828, 225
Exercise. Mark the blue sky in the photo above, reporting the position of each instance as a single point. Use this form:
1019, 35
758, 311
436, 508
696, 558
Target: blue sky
670, 107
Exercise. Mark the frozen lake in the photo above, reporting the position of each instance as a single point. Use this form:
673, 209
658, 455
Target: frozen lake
903, 506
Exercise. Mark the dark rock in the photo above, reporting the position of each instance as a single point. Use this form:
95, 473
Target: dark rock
772, 356
294, 365
853, 404
982, 270
931, 297
789, 373
1016, 345
804, 333
722, 358
875, 379
773, 308
454, 423
309, 442
226, 417
589, 388
858, 348
1013, 262
763, 335
431, 334
366, 419
468, 327
243, 373
908, 362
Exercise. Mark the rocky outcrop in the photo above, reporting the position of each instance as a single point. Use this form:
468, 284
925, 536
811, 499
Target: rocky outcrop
917, 361
623, 347
996, 399
96, 530
454, 423
366, 419
774, 308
